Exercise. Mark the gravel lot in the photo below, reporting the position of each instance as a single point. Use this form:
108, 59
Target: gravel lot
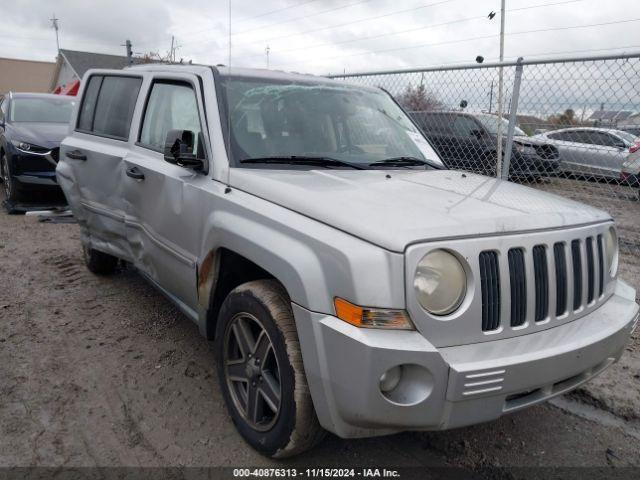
105, 372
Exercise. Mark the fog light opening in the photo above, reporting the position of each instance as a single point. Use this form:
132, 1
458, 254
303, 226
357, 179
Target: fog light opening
407, 384
390, 379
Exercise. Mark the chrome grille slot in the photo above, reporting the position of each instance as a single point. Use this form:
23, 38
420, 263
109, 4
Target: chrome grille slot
576, 258
560, 259
591, 274
600, 267
518, 279
490, 286
541, 282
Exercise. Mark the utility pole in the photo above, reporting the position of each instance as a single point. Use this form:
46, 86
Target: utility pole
54, 24
500, 93
267, 50
172, 52
127, 44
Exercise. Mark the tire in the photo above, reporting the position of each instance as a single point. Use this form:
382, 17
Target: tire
11, 193
98, 262
260, 312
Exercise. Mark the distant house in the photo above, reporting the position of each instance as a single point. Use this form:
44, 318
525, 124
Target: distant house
25, 75
630, 121
72, 65
609, 118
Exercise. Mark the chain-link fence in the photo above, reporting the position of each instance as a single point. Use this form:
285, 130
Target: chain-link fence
569, 126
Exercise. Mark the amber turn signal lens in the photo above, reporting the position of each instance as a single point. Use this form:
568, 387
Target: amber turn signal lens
372, 317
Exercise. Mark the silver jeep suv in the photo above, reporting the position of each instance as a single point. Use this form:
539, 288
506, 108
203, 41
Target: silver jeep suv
350, 281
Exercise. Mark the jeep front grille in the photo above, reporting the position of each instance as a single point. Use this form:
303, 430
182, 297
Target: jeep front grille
547, 267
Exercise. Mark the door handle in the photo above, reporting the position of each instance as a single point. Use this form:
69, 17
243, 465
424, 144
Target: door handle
76, 155
135, 173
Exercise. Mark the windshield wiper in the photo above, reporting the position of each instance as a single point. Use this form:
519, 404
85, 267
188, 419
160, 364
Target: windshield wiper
303, 160
403, 162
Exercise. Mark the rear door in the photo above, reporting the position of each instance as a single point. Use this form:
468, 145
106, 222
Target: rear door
91, 169
161, 197
572, 152
607, 153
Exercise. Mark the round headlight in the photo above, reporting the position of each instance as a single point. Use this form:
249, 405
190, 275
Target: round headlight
440, 282
611, 246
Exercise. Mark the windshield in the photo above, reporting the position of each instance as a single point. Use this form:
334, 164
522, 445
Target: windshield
490, 122
629, 137
275, 118
41, 110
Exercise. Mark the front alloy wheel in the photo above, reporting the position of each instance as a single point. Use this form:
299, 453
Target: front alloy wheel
252, 372
259, 364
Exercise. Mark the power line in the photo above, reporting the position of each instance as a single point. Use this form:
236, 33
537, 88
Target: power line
330, 27
449, 42
287, 21
434, 25
297, 5
462, 40
341, 7
318, 45
197, 32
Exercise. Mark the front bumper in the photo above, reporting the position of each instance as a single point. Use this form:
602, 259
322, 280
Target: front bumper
453, 386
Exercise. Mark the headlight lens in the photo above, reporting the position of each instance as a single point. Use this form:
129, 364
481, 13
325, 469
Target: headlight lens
611, 245
440, 282
28, 147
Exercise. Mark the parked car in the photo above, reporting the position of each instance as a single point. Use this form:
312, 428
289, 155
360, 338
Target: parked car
591, 152
630, 174
469, 141
32, 125
348, 281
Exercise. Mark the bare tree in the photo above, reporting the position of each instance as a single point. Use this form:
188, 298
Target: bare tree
419, 99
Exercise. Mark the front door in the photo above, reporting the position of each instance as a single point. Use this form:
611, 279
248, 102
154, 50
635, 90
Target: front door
161, 198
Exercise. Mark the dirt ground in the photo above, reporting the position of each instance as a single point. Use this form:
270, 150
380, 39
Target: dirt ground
105, 372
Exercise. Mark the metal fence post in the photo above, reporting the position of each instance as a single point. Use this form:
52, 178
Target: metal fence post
513, 110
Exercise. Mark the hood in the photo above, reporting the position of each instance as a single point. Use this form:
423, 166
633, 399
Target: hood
48, 135
529, 140
413, 206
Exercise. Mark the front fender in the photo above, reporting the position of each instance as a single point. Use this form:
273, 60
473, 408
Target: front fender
315, 262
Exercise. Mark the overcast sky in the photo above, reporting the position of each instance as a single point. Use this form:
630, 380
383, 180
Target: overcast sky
322, 36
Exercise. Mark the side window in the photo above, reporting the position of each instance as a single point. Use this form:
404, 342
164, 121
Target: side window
463, 126
603, 139
568, 136
115, 105
85, 119
171, 106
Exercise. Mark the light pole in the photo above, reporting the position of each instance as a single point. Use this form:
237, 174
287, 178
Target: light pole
500, 94
54, 23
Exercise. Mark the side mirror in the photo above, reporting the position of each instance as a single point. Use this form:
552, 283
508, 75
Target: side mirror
178, 149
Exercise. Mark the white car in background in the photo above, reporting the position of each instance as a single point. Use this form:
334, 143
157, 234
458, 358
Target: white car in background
591, 152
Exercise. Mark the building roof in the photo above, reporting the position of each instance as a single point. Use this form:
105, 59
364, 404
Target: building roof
610, 115
25, 75
83, 61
